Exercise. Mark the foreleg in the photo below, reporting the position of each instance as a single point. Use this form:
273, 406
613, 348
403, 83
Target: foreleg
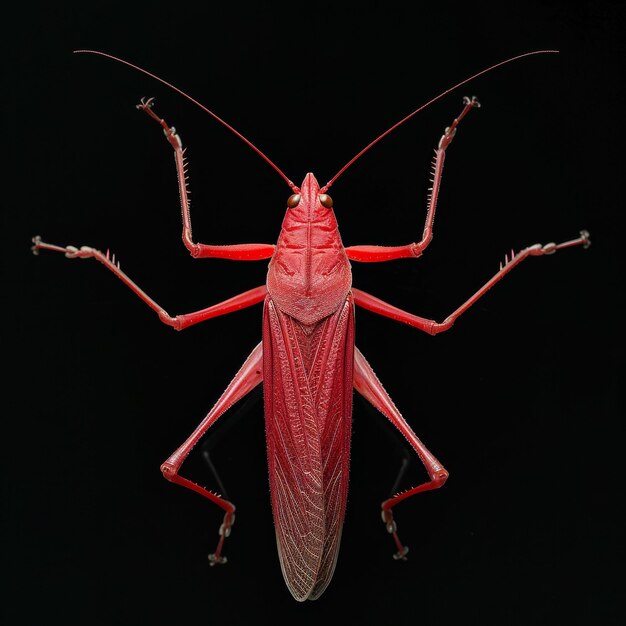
375, 254
235, 252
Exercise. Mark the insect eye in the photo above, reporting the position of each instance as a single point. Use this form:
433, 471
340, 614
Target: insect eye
293, 200
326, 200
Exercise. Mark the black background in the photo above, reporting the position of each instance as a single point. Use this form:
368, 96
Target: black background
521, 401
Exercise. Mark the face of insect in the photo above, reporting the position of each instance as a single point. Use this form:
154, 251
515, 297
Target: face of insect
308, 204
309, 275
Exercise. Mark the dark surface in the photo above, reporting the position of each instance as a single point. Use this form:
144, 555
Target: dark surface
522, 400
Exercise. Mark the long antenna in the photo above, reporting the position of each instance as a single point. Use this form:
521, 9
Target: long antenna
359, 154
441, 95
182, 93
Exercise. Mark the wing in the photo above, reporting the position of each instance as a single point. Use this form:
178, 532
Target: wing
308, 383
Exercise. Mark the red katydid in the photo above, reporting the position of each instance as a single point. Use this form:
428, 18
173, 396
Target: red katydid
307, 359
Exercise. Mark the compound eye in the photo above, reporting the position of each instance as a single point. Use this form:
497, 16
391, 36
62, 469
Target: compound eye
326, 200
293, 200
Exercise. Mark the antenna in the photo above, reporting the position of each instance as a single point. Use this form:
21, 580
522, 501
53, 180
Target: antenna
421, 108
353, 159
182, 93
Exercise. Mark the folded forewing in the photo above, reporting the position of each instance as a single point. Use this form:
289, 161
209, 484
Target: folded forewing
308, 380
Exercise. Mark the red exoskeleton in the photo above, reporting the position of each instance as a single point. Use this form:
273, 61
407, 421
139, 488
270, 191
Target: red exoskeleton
307, 359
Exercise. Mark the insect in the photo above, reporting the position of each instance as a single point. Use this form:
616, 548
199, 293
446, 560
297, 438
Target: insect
307, 359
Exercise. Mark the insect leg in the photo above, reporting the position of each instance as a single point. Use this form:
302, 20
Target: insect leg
376, 254
235, 252
178, 322
432, 327
246, 379
367, 384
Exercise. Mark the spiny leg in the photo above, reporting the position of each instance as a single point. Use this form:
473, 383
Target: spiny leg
367, 384
376, 254
248, 377
235, 252
178, 322
371, 303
